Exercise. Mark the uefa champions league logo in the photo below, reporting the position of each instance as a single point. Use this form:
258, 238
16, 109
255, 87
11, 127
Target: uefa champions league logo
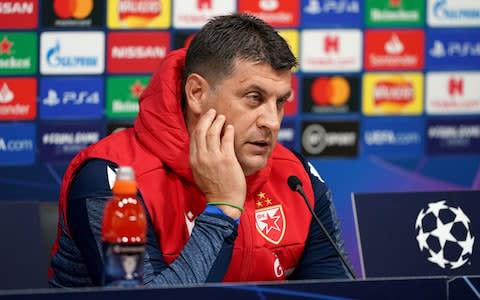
444, 233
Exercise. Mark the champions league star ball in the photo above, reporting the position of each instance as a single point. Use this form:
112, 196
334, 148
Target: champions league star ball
444, 234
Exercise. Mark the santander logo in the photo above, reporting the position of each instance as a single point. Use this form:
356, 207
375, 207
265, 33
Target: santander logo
6, 94
392, 50
18, 99
278, 13
394, 45
268, 5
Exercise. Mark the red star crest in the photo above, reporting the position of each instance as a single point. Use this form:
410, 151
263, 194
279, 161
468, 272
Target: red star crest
5, 46
270, 223
136, 89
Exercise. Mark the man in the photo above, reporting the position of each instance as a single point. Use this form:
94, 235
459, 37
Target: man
206, 133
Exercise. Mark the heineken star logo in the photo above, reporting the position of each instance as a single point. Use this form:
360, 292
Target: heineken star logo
395, 3
5, 46
136, 89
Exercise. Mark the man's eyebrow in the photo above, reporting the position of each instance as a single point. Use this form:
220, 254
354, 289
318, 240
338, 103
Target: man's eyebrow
286, 95
263, 91
257, 88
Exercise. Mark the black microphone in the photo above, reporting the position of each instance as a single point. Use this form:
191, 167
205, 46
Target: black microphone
296, 185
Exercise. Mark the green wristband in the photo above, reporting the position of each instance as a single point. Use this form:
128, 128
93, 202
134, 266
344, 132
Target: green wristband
227, 204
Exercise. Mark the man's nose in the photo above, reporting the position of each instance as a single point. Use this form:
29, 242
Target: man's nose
270, 117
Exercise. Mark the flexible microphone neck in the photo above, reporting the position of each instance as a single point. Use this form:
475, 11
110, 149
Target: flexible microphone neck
296, 185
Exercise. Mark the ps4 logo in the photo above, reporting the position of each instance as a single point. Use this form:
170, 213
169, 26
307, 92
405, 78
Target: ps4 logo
460, 49
314, 7
71, 97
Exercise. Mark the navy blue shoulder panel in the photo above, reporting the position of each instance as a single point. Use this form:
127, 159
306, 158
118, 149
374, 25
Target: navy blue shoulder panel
319, 259
90, 182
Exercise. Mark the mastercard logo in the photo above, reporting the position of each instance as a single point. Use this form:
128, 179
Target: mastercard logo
333, 91
77, 9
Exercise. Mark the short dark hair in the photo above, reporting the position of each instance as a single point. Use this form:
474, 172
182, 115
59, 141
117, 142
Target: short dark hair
224, 39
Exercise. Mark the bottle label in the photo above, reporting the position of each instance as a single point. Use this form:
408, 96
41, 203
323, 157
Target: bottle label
123, 264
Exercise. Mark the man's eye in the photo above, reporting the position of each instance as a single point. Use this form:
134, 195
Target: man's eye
282, 101
254, 97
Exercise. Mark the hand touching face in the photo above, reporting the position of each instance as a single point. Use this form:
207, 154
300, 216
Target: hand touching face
252, 100
214, 164
233, 128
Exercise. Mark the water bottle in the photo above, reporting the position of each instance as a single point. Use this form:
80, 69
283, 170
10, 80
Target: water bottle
124, 229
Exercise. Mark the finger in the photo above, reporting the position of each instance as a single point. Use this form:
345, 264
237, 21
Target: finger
228, 140
200, 132
213, 134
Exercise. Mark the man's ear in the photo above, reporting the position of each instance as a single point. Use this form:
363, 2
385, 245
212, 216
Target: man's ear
196, 91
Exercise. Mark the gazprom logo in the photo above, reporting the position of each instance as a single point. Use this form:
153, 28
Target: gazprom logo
55, 59
72, 52
441, 10
453, 13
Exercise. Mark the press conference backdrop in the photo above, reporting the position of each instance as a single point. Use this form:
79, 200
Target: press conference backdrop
387, 92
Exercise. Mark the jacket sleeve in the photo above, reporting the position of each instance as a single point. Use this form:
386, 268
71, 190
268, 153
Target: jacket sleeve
319, 259
205, 257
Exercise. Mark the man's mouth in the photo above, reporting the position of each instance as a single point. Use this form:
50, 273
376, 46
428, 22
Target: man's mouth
260, 146
261, 143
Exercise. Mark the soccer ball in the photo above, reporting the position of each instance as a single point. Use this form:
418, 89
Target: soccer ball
443, 232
